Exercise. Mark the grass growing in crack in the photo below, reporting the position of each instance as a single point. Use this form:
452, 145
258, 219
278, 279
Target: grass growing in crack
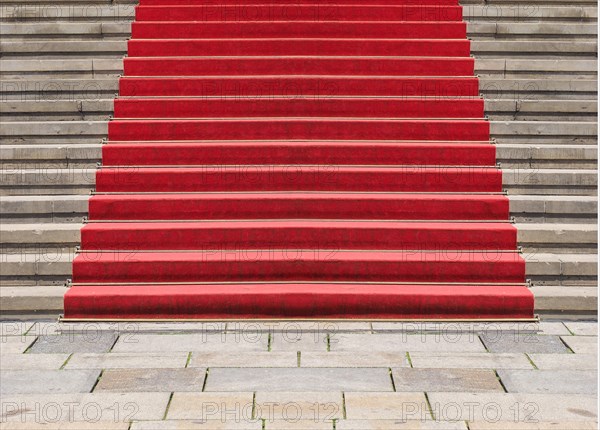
205, 379
500, 381
410, 363
66, 361
344, 405
189, 358
168, 406
253, 413
531, 361
97, 381
298, 358
429, 406
392, 378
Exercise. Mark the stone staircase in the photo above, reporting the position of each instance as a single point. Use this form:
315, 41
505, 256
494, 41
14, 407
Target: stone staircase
537, 63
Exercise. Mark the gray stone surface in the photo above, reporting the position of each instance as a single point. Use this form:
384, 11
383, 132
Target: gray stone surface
112, 407
398, 406
520, 342
565, 361
127, 361
445, 380
247, 359
354, 359
197, 425
33, 361
446, 342
151, 380
581, 328
96, 341
549, 381
514, 408
582, 344
475, 360
67, 425
205, 342
214, 407
298, 341
15, 344
315, 407
14, 328
298, 379
47, 381
399, 425
541, 425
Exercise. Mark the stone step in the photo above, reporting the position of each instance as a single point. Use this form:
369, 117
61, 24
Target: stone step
82, 180
496, 89
547, 156
51, 265
541, 110
480, 48
532, 237
112, 12
63, 69
496, 12
545, 132
572, 302
45, 301
535, 68
34, 132
554, 209
44, 209
73, 110
568, 269
533, 30
94, 29
45, 156
37, 90
525, 208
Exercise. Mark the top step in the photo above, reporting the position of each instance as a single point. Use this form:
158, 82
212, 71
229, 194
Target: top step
299, 12
294, 3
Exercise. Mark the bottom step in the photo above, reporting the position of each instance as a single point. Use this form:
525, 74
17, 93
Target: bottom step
348, 301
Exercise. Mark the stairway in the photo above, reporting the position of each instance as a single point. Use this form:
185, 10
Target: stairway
59, 68
325, 176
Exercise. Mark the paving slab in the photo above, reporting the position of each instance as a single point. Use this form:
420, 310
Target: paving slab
203, 342
66, 425
76, 342
292, 407
247, 359
554, 328
292, 328
196, 425
151, 380
233, 407
444, 380
524, 342
565, 361
550, 381
298, 341
145, 327
581, 328
475, 360
15, 344
400, 342
47, 381
298, 425
354, 359
442, 328
542, 425
399, 425
116, 360
33, 361
582, 344
298, 379
514, 408
14, 328
113, 407
396, 406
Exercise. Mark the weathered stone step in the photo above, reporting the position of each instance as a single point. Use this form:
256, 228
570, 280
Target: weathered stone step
562, 269
571, 132
525, 208
65, 48
68, 69
496, 89
51, 265
552, 209
44, 209
81, 30
533, 48
44, 156
547, 156
45, 301
534, 30
37, 90
566, 302
75, 110
32, 132
524, 110
495, 12
550, 181
104, 11
47, 181
537, 68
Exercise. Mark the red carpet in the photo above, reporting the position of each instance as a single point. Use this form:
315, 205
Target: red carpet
311, 160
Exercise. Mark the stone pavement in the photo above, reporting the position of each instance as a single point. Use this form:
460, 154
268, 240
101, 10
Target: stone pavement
298, 375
